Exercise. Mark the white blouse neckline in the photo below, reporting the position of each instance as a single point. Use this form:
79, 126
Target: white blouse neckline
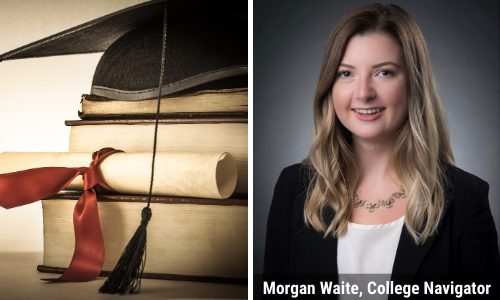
378, 226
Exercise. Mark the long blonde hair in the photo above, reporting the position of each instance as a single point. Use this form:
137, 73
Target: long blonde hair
422, 148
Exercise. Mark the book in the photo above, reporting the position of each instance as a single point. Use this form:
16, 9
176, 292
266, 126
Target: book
213, 103
188, 238
174, 135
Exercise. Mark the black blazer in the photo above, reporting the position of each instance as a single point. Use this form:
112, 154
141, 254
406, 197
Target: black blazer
466, 244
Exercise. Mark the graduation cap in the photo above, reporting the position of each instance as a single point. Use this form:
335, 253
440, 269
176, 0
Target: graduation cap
206, 48
151, 50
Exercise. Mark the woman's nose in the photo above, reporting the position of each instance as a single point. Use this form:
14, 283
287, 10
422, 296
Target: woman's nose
364, 89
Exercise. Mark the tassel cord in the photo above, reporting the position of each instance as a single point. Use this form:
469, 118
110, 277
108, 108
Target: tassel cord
164, 46
127, 274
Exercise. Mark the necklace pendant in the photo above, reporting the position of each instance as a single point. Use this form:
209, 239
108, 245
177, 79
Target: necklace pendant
358, 203
388, 203
372, 206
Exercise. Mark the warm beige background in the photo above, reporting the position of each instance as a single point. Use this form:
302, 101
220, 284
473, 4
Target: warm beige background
38, 94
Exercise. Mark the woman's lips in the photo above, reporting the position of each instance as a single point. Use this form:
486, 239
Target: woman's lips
369, 114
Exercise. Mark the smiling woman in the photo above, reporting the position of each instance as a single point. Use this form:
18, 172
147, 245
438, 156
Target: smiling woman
370, 100
380, 181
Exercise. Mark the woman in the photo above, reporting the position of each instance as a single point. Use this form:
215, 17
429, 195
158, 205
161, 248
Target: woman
379, 133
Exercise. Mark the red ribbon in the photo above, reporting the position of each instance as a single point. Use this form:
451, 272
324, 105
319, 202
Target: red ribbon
28, 186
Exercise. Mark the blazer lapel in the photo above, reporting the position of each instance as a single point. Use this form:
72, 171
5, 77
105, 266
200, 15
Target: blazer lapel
408, 259
410, 256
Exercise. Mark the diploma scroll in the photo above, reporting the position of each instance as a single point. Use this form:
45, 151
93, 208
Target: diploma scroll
203, 175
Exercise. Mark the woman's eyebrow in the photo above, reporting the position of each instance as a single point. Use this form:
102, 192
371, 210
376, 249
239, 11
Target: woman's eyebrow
385, 63
346, 66
374, 66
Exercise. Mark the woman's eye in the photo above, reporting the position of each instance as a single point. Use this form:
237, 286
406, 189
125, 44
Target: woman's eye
344, 74
386, 73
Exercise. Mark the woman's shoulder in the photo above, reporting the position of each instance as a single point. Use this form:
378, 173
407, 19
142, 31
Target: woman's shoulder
460, 176
291, 189
463, 181
467, 195
469, 223
297, 176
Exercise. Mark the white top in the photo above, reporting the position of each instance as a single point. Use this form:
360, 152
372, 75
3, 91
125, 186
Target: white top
368, 249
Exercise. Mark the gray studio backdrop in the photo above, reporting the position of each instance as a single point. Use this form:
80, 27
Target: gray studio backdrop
289, 40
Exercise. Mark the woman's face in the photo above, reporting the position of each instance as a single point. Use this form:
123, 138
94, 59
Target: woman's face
369, 92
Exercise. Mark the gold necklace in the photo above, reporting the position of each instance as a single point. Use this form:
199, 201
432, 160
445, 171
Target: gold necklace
385, 203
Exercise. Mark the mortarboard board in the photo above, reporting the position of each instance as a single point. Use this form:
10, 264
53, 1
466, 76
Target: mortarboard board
206, 48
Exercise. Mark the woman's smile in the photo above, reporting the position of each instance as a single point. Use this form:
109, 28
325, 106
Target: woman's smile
368, 114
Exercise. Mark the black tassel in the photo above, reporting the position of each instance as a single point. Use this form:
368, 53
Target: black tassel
127, 274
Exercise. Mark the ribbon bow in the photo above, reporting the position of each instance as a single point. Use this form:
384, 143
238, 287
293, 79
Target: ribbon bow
28, 186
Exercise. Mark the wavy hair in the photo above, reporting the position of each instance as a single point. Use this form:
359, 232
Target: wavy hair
422, 148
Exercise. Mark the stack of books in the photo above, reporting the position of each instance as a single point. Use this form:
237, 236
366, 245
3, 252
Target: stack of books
188, 238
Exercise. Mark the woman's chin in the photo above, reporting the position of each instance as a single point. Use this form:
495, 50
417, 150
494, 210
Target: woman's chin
373, 136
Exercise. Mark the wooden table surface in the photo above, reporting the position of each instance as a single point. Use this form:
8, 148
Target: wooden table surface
20, 280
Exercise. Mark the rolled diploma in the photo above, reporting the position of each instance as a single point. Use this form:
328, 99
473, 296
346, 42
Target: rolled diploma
203, 175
